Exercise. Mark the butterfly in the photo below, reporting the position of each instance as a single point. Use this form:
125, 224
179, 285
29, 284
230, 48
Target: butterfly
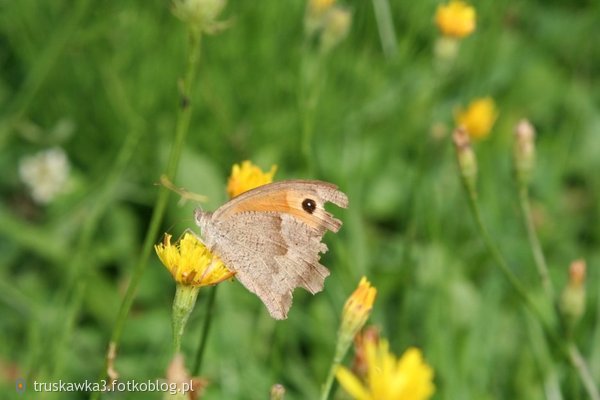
271, 236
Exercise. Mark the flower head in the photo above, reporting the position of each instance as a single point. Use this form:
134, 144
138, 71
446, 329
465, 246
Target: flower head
328, 21
358, 308
335, 28
318, 7
465, 156
573, 298
577, 273
190, 262
524, 151
478, 118
389, 378
455, 19
277, 392
199, 14
45, 174
247, 176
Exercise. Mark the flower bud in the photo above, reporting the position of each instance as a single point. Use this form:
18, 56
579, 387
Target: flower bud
277, 392
524, 151
199, 14
316, 15
467, 163
572, 301
445, 50
336, 27
357, 309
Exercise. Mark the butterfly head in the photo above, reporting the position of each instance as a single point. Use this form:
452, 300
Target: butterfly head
203, 220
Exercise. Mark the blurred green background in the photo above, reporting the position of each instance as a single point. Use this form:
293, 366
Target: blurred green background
92, 77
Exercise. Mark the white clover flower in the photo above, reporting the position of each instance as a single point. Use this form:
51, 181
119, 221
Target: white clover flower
45, 174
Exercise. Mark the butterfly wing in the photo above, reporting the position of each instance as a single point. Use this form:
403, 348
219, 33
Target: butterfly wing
271, 237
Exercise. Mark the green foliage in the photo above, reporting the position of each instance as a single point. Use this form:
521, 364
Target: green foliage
86, 76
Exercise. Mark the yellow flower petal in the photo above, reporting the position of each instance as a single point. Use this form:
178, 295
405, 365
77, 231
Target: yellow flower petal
479, 117
419, 382
190, 262
319, 6
455, 19
408, 378
248, 176
351, 384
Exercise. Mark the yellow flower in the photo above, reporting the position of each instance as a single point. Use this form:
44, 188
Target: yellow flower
358, 308
478, 118
319, 6
190, 262
455, 19
248, 176
388, 378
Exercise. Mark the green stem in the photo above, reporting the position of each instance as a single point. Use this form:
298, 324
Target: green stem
499, 259
183, 305
573, 353
582, 368
312, 81
208, 316
330, 376
570, 350
534, 242
385, 26
344, 342
181, 131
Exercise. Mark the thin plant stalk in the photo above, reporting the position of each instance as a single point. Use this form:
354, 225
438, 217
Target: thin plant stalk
208, 316
574, 355
337, 361
310, 92
534, 242
357, 310
583, 370
385, 26
569, 350
182, 127
183, 305
499, 259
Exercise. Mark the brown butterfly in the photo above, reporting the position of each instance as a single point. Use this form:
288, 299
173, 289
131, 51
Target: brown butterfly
271, 238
